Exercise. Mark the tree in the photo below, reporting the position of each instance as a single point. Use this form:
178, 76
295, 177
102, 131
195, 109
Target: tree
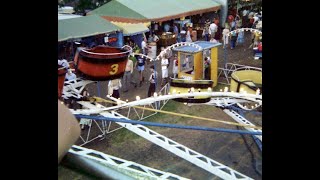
81, 5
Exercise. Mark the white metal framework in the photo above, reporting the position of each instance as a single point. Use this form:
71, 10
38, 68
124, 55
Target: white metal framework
73, 88
237, 117
184, 152
129, 168
230, 68
245, 29
168, 49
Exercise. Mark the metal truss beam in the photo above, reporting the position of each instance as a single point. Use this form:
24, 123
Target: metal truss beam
129, 168
180, 150
237, 117
73, 88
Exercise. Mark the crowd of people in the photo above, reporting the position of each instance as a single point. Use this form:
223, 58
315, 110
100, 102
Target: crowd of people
245, 19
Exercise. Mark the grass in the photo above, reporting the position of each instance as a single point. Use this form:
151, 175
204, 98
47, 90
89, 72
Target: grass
172, 106
123, 135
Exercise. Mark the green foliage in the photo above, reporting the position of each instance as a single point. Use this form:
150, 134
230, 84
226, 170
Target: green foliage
82, 5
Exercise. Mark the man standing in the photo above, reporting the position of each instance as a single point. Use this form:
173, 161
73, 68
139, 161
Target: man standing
141, 63
152, 80
144, 46
213, 28
127, 75
205, 32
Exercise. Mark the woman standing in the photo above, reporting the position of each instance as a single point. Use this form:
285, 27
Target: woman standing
164, 69
175, 66
188, 36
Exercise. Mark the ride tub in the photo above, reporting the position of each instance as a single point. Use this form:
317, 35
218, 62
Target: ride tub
246, 80
184, 86
61, 76
102, 62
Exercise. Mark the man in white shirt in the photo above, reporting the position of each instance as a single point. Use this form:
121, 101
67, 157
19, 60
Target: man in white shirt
127, 75
213, 28
164, 69
144, 46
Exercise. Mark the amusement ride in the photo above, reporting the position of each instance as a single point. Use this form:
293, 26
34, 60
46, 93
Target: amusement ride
192, 86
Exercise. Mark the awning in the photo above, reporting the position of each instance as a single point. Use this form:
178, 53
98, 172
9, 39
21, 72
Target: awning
135, 11
83, 27
130, 29
67, 16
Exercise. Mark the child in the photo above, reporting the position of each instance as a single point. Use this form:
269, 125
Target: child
233, 39
240, 39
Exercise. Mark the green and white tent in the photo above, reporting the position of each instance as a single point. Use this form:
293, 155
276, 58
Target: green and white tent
84, 27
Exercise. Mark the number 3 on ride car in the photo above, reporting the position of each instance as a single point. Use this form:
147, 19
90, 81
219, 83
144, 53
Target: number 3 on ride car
114, 69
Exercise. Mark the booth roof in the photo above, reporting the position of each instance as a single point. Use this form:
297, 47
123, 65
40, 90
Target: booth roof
83, 27
67, 16
160, 10
191, 49
130, 29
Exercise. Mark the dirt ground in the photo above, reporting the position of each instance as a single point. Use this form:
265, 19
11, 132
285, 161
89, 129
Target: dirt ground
236, 151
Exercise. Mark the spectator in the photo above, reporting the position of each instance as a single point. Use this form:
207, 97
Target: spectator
188, 35
183, 34
164, 69
233, 39
166, 27
225, 36
175, 66
175, 30
240, 39
141, 63
152, 80
156, 28
144, 46
127, 75
213, 28
205, 32
114, 87
206, 68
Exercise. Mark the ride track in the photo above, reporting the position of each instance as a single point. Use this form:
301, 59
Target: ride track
223, 100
